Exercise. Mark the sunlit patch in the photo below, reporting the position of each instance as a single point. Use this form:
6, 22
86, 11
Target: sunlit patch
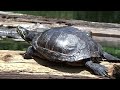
63, 43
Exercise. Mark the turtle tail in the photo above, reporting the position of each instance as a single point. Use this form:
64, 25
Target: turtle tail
110, 58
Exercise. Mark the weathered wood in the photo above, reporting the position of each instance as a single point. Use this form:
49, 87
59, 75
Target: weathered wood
13, 66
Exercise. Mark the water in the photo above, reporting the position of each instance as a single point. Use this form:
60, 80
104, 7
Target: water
97, 16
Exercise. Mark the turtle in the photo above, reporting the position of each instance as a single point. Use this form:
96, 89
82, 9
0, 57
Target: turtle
66, 44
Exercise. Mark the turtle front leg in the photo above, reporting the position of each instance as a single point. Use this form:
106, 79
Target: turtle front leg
29, 53
97, 68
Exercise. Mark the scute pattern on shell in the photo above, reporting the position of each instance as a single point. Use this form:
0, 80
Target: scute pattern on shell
66, 44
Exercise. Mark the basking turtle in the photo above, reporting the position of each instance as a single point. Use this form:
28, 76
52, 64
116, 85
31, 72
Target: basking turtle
66, 44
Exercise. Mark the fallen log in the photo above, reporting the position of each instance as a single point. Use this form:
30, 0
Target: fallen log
13, 66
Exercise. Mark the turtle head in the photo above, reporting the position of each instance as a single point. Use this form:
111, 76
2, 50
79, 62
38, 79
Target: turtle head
23, 32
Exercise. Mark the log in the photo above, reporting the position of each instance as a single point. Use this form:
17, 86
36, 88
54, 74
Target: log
13, 66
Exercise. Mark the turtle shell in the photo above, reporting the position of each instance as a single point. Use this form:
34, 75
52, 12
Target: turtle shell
66, 44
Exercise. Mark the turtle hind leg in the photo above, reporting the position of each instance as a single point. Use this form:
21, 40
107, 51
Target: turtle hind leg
109, 57
97, 68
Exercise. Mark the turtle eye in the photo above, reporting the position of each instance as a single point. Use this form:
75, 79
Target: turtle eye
25, 32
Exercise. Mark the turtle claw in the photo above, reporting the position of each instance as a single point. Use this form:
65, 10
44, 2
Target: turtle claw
101, 70
97, 68
26, 56
29, 53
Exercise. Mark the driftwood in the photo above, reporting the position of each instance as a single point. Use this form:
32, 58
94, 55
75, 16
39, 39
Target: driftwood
13, 66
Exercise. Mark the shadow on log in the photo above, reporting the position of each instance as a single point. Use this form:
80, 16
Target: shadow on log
8, 75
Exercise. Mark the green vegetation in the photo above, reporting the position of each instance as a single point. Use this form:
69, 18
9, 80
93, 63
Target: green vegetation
99, 16
113, 50
52, 14
8, 44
